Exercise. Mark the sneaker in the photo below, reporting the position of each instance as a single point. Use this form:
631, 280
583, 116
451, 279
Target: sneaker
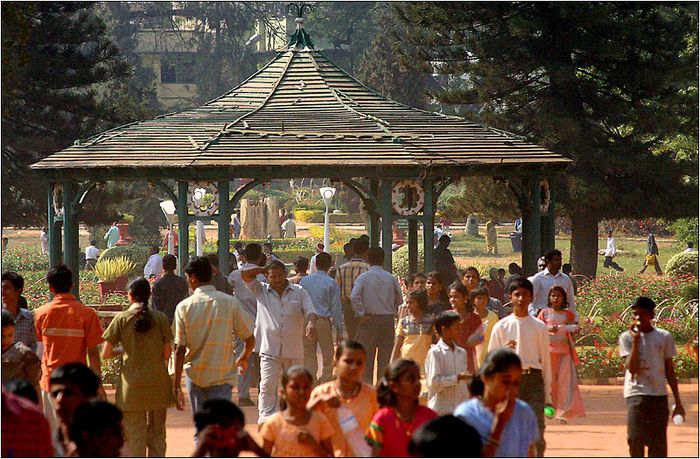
245, 402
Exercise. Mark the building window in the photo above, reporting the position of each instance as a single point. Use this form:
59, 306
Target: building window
177, 68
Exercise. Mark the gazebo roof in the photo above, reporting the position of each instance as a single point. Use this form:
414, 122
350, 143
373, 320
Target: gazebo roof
298, 111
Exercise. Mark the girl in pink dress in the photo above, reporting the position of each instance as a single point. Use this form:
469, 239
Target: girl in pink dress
561, 323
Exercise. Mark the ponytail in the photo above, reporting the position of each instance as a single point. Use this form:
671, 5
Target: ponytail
394, 372
476, 386
140, 290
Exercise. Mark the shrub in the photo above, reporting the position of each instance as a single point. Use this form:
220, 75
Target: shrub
22, 259
683, 263
600, 362
399, 261
308, 216
137, 253
337, 237
110, 269
690, 292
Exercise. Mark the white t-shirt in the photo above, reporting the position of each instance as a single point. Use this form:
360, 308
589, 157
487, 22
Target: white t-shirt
654, 348
91, 252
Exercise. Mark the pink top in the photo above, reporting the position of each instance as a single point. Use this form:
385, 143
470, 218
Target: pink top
392, 434
559, 342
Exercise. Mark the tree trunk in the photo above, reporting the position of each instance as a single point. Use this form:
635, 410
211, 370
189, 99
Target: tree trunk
584, 243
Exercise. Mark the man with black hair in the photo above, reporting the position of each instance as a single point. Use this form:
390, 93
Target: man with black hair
218, 280
550, 276
70, 333
279, 328
376, 298
97, 430
170, 289
529, 338
18, 361
12, 287
346, 276
251, 376
648, 352
70, 386
438, 438
221, 431
204, 327
325, 296
91, 255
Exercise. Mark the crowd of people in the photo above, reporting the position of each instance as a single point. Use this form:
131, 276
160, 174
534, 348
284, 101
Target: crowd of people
406, 365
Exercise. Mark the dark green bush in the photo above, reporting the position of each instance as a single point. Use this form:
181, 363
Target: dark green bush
683, 263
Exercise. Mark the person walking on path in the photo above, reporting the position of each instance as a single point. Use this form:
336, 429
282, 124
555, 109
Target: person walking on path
346, 276
144, 391
70, 333
491, 238
204, 327
325, 297
529, 338
444, 261
44, 240
376, 297
610, 252
154, 265
251, 375
170, 289
544, 280
91, 255
279, 329
652, 256
289, 227
112, 235
25, 330
561, 323
648, 352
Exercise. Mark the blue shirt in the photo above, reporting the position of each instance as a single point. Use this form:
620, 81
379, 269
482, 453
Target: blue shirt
376, 292
325, 295
520, 432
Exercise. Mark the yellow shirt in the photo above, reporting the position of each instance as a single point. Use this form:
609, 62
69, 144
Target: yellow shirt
283, 435
483, 348
363, 406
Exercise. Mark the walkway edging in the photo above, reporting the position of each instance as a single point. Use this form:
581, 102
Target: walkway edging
619, 381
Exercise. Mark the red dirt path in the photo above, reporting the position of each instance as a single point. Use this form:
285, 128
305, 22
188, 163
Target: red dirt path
602, 433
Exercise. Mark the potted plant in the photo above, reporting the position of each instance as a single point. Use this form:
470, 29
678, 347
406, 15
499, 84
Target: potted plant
112, 274
123, 226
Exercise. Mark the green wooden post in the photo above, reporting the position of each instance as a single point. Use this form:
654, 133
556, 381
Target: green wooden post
374, 228
531, 229
183, 227
54, 229
387, 233
428, 224
223, 223
547, 224
71, 242
412, 245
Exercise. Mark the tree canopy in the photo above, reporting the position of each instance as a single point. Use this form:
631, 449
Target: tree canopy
609, 84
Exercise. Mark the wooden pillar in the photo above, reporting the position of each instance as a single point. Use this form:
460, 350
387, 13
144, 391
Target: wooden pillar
412, 245
54, 228
71, 242
183, 227
374, 228
223, 223
547, 225
532, 229
386, 212
428, 224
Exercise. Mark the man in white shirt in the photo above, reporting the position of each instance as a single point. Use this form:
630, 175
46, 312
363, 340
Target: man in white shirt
610, 252
550, 276
154, 265
289, 227
91, 254
529, 338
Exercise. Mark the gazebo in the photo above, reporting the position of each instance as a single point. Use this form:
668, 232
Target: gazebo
302, 116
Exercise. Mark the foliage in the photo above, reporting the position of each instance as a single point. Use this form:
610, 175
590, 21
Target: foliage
54, 53
22, 258
399, 261
479, 195
683, 263
610, 85
36, 290
600, 362
686, 230
309, 216
690, 292
337, 237
110, 269
277, 244
137, 253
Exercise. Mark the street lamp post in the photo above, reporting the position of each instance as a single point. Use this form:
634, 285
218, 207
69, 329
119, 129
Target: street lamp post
327, 194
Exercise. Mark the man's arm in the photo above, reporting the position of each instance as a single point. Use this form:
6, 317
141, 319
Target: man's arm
673, 382
632, 360
248, 346
356, 296
179, 362
95, 365
398, 296
546, 365
249, 274
336, 308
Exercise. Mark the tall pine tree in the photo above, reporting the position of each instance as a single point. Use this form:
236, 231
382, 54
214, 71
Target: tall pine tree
54, 53
605, 83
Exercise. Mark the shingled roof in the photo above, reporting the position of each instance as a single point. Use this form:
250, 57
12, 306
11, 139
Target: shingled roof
301, 110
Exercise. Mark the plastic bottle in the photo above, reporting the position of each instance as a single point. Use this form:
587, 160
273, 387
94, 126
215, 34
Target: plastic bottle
353, 434
677, 419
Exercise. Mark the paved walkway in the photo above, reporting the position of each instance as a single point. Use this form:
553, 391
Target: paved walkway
602, 433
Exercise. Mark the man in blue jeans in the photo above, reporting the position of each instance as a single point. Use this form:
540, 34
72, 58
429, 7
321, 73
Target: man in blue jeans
205, 325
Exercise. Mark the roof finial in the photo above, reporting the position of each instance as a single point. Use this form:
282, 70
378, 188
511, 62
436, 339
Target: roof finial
300, 40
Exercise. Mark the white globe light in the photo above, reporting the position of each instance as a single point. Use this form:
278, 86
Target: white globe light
327, 193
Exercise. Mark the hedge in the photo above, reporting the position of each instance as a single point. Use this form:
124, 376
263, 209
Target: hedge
317, 216
683, 263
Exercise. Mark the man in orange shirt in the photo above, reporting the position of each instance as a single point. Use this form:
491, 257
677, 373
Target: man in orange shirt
69, 331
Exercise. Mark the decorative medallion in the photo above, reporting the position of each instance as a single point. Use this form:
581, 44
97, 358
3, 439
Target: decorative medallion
58, 200
203, 198
545, 196
407, 197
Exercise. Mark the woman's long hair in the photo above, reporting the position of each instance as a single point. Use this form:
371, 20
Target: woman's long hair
140, 290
